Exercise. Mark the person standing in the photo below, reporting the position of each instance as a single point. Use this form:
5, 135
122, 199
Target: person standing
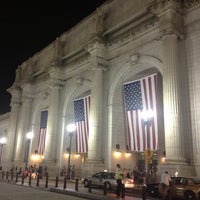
165, 181
118, 178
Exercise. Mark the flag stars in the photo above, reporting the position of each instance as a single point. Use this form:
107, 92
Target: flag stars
133, 96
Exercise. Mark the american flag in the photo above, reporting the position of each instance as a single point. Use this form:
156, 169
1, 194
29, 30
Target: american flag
81, 114
42, 135
140, 96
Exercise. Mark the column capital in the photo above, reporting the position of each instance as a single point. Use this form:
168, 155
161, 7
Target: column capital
56, 78
56, 83
170, 15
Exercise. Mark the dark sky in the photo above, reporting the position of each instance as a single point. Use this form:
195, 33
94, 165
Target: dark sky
28, 28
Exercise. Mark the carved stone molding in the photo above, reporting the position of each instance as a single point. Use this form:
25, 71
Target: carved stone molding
56, 84
45, 95
131, 29
134, 58
170, 14
100, 18
191, 4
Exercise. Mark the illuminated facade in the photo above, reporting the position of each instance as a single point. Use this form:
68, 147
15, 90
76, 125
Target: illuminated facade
119, 42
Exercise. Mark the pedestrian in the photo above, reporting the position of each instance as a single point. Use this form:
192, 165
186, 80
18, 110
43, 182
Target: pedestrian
118, 178
165, 181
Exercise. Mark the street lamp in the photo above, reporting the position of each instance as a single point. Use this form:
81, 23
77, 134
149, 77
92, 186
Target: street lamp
147, 116
29, 136
70, 128
2, 142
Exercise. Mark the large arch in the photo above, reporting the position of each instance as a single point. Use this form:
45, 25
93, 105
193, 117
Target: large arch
77, 90
138, 65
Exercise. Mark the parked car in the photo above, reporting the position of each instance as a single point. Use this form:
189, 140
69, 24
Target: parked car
181, 188
100, 178
185, 188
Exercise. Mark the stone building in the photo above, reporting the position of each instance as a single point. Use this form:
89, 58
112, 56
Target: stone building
122, 41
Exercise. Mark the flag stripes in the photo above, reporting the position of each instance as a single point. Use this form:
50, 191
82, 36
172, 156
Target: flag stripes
141, 96
43, 129
81, 114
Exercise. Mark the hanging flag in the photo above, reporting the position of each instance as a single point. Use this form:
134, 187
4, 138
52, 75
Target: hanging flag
140, 96
43, 129
81, 114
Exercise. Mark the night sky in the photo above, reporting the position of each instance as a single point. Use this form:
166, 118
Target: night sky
28, 27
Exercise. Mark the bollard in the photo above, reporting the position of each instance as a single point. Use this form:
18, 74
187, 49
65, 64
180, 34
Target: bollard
22, 179
65, 183
169, 194
7, 174
76, 185
12, 176
38, 181
89, 186
143, 192
123, 190
16, 177
105, 188
3, 174
47, 179
29, 179
56, 184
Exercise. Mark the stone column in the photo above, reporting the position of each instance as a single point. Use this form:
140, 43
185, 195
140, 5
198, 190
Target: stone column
95, 122
94, 161
171, 28
52, 123
12, 129
172, 108
23, 128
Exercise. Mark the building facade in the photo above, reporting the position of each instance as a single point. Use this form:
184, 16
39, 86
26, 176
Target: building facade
122, 41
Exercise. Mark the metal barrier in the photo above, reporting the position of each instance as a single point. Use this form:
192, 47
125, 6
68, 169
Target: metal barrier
22, 179
38, 181
143, 192
30, 178
56, 184
47, 180
17, 175
105, 188
65, 183
7, 175
76, 185
90, 186
3, 174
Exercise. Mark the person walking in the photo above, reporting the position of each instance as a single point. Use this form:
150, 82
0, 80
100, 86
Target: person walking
118, 178
165, 181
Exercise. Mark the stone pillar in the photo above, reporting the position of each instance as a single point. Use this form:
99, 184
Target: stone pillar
23, 128
52, 123
94, 161
95, 122
12, 129
172, 108
171, 29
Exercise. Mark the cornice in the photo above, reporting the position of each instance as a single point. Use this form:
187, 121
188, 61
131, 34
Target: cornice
170, 14
191, 5
134, 28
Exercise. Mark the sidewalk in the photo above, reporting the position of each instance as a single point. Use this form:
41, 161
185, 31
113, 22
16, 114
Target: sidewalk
94, 195
80, 191
97, 194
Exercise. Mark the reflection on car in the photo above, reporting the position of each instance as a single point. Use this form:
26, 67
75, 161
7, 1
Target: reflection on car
181, 188
100, 178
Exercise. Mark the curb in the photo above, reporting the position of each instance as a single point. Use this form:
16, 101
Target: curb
81, 194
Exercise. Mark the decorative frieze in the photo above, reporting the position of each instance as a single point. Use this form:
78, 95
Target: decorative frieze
170, 15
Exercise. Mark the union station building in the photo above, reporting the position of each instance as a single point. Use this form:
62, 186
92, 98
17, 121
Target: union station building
126, 58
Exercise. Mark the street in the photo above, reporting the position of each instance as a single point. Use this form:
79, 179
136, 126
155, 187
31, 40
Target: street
12, 191
18, 192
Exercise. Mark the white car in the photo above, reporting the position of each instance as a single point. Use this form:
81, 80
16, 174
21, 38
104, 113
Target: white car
100, 178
